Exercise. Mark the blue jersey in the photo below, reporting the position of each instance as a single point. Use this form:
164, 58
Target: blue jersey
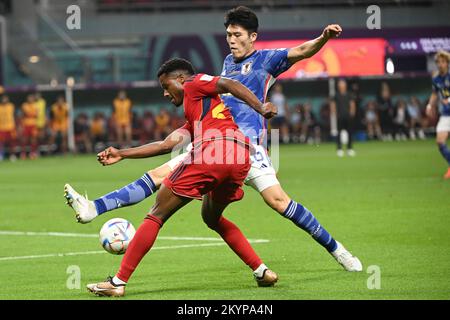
257, 72
441, 86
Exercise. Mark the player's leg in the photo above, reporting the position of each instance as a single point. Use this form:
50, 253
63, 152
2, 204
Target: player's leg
442, 130
266, 183
34, 143
167, 203
119, 134
339, 152
232, 235
128, 135
349, 129
132, 193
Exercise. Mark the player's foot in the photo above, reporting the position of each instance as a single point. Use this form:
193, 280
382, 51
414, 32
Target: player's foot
340, 153
107, 288
351, 152
268, 278
33, 155
346, 259
447, 174
85, 210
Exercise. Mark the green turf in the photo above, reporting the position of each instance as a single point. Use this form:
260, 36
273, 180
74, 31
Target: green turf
389, 206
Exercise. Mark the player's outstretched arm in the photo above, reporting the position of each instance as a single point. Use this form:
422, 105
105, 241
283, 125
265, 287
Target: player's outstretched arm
310, 48
432, 102
112, 155
237, 89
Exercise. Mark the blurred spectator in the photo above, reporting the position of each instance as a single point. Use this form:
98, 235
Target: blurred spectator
122, 117
29, 128
135, 126
8, 132
162, 125
359, 113
295, 122
344, 109
372, 121
401, 121
310, 128
59, 124
82, 136
280, 120
42, 122
386, 111
325, 121
98, 131
147, 127
415, 118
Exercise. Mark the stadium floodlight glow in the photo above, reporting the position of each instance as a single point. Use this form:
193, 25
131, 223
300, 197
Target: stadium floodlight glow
70, 81
34, 59
390, 66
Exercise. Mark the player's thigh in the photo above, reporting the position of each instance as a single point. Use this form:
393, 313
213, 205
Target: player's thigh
167, 203
211, 210
160, 173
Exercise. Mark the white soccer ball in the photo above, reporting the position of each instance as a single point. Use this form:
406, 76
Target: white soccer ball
116, 234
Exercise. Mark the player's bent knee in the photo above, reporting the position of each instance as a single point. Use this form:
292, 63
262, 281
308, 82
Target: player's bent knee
278, 203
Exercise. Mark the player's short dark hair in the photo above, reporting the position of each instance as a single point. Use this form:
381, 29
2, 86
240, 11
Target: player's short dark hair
243, 17
176, 64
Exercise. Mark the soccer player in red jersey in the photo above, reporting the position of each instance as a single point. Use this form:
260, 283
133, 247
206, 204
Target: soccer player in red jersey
214, 172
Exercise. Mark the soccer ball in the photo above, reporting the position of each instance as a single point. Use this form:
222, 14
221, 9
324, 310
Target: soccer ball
116, 234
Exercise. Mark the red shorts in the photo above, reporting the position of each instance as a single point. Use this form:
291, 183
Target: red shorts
30, 131
213, 171
7, 136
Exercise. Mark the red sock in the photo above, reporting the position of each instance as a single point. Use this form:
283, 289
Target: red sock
142, 242
238, 242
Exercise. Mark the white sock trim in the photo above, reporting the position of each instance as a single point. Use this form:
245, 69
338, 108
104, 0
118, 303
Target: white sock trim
259, 272
118, 281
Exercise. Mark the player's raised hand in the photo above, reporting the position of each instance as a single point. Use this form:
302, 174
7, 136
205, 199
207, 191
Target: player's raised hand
109, 156
332, 31
269, 110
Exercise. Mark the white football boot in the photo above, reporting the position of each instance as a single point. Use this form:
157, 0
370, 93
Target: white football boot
107, 288
85, 210
346, 259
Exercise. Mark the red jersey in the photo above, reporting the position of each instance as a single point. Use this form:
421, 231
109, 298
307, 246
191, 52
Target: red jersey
207, 116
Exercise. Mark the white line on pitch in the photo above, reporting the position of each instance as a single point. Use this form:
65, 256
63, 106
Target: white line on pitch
90, 235
52, 255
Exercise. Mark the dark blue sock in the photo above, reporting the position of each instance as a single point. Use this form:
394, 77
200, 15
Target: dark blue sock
130, 194
445, 152
304, 219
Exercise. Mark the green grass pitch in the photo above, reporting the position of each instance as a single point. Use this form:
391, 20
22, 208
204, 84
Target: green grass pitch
389, 206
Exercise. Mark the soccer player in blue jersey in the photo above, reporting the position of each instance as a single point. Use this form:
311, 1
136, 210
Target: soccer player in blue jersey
257, 70
440, 95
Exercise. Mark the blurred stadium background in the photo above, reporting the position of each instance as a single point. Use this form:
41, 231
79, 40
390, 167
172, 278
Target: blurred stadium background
121, 44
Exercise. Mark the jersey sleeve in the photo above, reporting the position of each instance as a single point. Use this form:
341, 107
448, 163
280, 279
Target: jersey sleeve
202, 85
276, 61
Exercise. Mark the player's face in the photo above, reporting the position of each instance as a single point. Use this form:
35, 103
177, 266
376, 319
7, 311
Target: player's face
173, 88
240, 41
442, 65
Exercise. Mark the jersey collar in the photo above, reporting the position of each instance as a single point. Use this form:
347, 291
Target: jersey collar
245, 58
